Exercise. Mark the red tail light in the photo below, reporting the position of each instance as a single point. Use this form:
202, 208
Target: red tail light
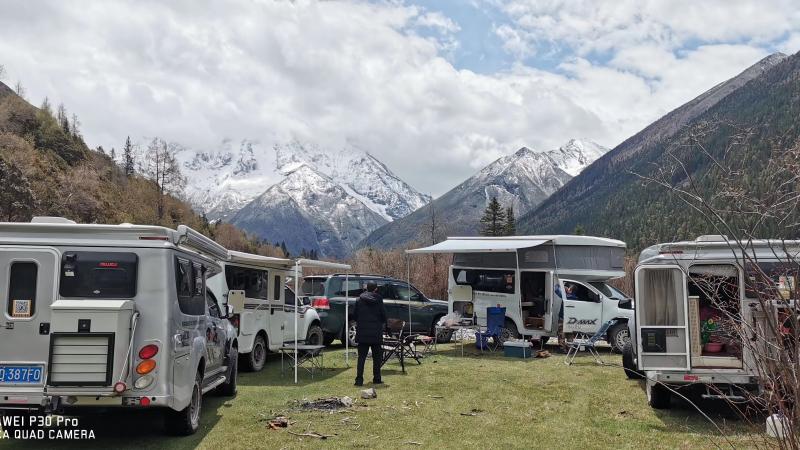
148, 351
320, 303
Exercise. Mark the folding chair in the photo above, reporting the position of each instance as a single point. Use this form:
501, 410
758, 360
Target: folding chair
588, 342
400, 345
495, 320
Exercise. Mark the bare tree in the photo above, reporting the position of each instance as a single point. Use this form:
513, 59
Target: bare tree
19, 89
2, 72
161, 166
742, 204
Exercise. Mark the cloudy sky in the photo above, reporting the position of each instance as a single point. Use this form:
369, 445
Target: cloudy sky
434, 88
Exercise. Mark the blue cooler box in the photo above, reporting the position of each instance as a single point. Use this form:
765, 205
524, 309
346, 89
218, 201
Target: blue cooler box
517, 349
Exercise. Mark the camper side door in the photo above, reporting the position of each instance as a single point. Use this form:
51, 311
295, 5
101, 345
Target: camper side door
662, 331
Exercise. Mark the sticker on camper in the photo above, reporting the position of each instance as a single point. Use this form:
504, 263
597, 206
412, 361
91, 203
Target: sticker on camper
22, 308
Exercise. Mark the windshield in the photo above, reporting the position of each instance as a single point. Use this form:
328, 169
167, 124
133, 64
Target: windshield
609, 291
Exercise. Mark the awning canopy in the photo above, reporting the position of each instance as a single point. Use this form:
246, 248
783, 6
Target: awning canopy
322, 264
472, 245
258, 260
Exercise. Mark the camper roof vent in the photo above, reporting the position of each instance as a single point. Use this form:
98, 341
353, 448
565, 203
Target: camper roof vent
712, 238
50, 219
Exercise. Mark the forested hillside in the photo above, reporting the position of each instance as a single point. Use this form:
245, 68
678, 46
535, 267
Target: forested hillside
732, 155
46, 169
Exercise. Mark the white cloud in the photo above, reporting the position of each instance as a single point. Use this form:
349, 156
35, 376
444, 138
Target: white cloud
365, 74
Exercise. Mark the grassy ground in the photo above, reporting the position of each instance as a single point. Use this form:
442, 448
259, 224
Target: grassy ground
538, 403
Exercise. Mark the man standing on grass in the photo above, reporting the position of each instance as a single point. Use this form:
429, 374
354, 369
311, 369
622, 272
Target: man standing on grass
370, 316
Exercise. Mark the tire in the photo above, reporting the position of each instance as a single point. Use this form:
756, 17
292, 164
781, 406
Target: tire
658, 396
314, 335
629, 362
350, 333
618, 336
257, 357
187, 421
328, 339
228, 388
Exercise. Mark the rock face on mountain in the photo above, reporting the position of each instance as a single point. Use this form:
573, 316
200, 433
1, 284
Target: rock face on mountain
608, 199
308, 197
522, 180
308, 210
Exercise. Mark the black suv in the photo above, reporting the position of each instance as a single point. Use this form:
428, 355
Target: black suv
402, 301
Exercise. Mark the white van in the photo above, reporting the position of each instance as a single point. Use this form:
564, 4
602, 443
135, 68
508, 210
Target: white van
265, 317
673, 304
111, 316
524, 275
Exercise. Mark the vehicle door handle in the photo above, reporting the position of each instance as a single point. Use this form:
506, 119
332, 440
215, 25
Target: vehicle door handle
569, 306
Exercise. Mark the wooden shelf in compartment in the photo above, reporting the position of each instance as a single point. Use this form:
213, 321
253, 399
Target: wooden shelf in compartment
719, 362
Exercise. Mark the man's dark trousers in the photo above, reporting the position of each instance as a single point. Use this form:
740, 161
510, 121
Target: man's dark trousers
377, 357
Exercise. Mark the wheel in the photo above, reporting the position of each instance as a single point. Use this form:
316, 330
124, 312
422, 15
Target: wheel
618, 336
658, 396
187, 420
228, 388
258, 355
314, 335
328, 339
511, 327
351, 333
629, 362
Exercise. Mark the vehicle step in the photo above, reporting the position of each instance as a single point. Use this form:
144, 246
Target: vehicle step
214, 384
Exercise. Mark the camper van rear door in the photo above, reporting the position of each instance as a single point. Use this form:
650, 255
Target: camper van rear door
662, 318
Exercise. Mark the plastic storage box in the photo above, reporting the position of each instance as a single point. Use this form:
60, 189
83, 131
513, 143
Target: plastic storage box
517, 349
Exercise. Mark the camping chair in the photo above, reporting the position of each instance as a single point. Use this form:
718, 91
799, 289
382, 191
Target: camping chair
588, 342
397, 344
495, 320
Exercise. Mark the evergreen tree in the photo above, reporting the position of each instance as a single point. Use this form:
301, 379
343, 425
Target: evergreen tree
73, 127
579, 230
283, 248
113, 154
127, 158
511, 222
493, 221
17, 199
101, 150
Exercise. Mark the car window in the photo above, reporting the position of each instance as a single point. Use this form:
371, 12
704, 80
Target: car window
609, 291
501, 281
213, 306
578, 291
98, 274
352, 287
387, 290
288, 296
314, 286
404, 293
191, 298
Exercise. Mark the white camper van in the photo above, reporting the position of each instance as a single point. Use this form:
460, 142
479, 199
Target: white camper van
525, 274
256, 288
674, 311
111, 316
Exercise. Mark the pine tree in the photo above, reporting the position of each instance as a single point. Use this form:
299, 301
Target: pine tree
113, 154
511, 222
283, 248
579, 230
17, 198
101, 150
127, 158
494, 219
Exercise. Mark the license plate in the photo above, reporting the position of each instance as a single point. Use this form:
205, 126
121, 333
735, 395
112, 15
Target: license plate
20, 374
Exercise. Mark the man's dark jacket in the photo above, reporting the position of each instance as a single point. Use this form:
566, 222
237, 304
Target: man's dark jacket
370, 318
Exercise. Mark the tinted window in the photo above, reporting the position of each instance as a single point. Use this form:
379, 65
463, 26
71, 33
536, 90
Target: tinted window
577, 291
213, 306
98, 274
253, 282
277, 288
387, 290
314, 286
404, 293
288, 298
22, 289
353, 287
191, 297
609, 291
502, 281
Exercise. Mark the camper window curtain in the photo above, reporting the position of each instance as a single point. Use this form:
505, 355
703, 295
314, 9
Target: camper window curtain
661, 297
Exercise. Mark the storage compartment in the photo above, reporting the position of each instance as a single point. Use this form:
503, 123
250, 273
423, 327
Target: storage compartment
714, 310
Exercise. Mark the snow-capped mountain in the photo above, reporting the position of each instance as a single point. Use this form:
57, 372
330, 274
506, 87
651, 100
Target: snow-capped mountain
309, 210
359, 173
522, 180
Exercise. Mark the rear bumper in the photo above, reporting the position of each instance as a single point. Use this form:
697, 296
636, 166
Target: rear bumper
127, 400
703, 377
24, 397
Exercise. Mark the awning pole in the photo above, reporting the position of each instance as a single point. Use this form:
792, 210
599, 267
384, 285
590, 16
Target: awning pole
347, 318
408, 279
296, 294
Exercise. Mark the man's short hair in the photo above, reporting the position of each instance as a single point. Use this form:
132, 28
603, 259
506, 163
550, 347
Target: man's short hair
371, 286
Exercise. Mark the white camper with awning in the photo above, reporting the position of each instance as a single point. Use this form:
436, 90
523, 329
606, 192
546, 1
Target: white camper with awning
524, 275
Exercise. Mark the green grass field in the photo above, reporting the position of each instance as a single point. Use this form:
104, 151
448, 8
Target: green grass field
534, 403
